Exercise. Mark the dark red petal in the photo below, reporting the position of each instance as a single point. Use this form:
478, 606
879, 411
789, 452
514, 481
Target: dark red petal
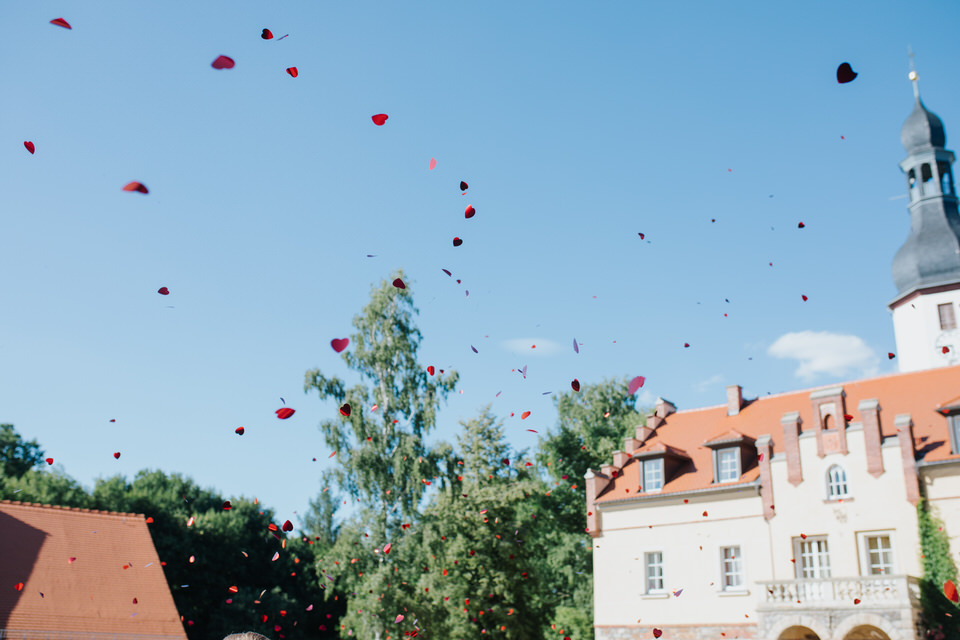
845, 73
950, 590
117, 455
430, 369
686, 345
339, 344
641, 236
848, 417
891, 356
457, 242
49, 460
398, 283
60, 22
30, 146
345, 410
285, 413
267, 34
804, 298
293, 71
379, 119
288, 526
163, 291
136, 186
575, 385
227, 506
239, 431
464, 186
470, 212
223, 62
800, 225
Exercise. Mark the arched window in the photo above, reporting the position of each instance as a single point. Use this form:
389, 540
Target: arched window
946, 178
828, 421
926, 175
912, 182
837, 483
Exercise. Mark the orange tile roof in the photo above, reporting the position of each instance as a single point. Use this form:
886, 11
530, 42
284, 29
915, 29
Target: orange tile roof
81, 572
919, 393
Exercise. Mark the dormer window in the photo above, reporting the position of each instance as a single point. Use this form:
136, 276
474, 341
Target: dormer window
728, 464
652, 474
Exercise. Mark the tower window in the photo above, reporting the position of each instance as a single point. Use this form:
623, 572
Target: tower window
926, 175
946, 178
828, 422
912, 181
948, 320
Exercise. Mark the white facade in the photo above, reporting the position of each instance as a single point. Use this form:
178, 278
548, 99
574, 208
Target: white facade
919, 334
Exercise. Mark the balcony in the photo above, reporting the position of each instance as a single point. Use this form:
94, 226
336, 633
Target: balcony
864, 592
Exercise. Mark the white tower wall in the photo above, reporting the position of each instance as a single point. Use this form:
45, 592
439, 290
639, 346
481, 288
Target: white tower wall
920, 339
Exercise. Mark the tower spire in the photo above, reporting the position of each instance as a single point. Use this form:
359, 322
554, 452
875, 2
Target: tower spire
914, 78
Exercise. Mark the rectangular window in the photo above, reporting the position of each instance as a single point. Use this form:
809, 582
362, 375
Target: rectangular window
653, 474
731, 568
813, 560
728, 465
654, 564
878, 554
947, 318
954, 422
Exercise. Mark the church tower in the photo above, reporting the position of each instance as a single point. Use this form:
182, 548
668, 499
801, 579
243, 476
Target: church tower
926, 269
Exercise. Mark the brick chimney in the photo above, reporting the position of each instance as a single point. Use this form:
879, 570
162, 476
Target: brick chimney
872, 437
595, 483
764, 453
631, 444
665, 408
734, 399
620, 458
791, 446
904, 424
644, 431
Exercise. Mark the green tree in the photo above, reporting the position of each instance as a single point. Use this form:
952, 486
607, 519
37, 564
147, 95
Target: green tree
47, 487
940, 615
385, 462
17, 456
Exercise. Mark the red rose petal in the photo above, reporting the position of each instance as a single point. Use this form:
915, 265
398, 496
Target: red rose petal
239, 431
430, 370
804, 297
379, 119
801, 225
60, 22
116, 455
293, 71
345, 410
575, 385
641, 236
950, 590
856, 601
18, 586
288, 526
49, 460
847, 417
136, 186
891, 356
464, 186
267, 34
398, 283
223, 62
845, 73
285, 413
635, 384
657, 633
386, 548
469, 212
945, 350
457, 242
339, 344
30, 146
686, 345
524, 415
163, 291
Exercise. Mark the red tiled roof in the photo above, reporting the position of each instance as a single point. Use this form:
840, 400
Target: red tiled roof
81, 571
919, 393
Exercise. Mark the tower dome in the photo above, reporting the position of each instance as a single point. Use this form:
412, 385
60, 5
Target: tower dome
922, 130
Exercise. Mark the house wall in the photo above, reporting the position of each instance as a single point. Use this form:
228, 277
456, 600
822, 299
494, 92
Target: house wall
875, 504
916, 325
942, 486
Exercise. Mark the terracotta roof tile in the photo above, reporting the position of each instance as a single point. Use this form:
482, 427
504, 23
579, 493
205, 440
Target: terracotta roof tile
919, 393
81, 571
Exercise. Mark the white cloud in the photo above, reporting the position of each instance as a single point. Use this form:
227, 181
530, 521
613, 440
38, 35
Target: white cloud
712, 381
524, 346
823, 352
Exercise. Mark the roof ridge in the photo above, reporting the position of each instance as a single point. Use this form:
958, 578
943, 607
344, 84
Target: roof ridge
38, 505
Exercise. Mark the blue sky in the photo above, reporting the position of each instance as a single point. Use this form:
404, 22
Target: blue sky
576, 125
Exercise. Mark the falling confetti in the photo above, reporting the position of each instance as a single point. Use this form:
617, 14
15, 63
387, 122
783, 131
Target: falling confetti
163, 291
285, 413
116, 455
288, 526
469, 212
635, 384
474, 349
136, 186
239, 431
950, 590
293, 72
227, 506
345, 410
433, 164
399, 618
30, 147
223, 62
464, 186
575, 385
339, 344
804, 298
845, 73
267, 34
891, 356
60, 22
800, 225
386, 548
379, 119
431, 370
657, 633
576, 347
457, 242
18, 586
524, 415
398, 283
49, 460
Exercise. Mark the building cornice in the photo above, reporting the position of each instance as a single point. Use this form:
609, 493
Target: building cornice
661, 497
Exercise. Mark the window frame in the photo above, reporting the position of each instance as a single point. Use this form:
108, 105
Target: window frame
718, 453
741, 567
798, 543
659, 462
646, 574
952, 313
829, 484
864, 551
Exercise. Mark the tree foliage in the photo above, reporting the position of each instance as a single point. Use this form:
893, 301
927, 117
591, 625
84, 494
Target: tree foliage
940, 615
17, 456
